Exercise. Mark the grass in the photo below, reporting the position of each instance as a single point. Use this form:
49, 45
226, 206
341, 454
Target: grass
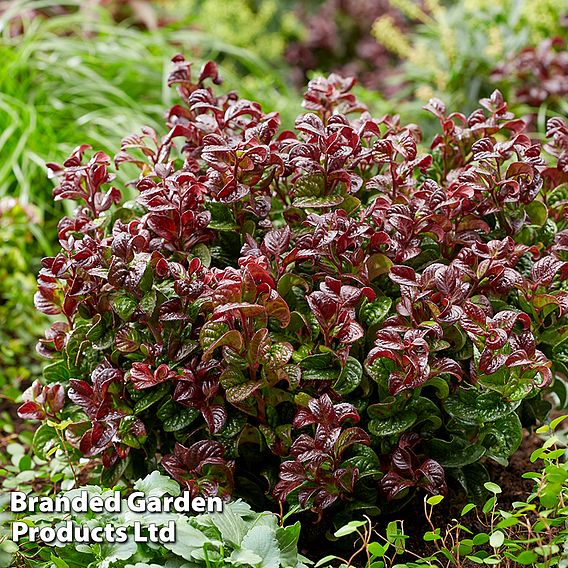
80, 78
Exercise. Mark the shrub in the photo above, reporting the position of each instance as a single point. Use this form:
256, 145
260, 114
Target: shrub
338, 38
537, 75
325, 316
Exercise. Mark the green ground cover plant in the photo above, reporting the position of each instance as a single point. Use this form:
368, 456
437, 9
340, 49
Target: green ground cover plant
236, 537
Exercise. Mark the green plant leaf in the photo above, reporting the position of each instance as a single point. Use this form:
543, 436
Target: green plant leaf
393, 425
349, 378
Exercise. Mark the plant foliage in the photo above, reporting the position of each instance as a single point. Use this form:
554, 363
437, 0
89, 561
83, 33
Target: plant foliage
327, 317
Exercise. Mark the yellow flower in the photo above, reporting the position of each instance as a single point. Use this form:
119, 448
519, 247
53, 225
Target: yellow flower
387, 34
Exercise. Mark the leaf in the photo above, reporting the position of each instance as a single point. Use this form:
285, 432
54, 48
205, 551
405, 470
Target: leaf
43, 438
111, 552
239, 393
492, 487
455, 453
472, 408
277, 241
527, 557
148, 302
310, 186
496, 539
222, 218
56, 372
350, 528
174, 417
393, 425
232, 339
124, 306
287, 538
189, 539
349, 378
319, 367
150, 398
377, 265
504, 438
202, 252
262, 541
434, 500
317, 202
365, 460
373, 313
537, 212
156, 485
230, 524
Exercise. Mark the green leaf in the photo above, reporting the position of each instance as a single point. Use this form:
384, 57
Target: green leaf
56, 372
497, 539
547, 549
288, 280
44, 439
492, 487
150, 397
124, 306
527, 557
441, 385
480, 539
230, 523
311, 185
434, 500
126, 436
322, 367
378, 264
349, 378
58, 562
287, 538
232, 339
373, 313
503, 437
222, 218
365, 460
261, 540
189, 539
176, 418
393, 425
238, 393
376, 549
554, 423
350, 528
202, 252
537, 212
325, 560
318, 202
156, 485
148, 302
455, 453
470, 407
